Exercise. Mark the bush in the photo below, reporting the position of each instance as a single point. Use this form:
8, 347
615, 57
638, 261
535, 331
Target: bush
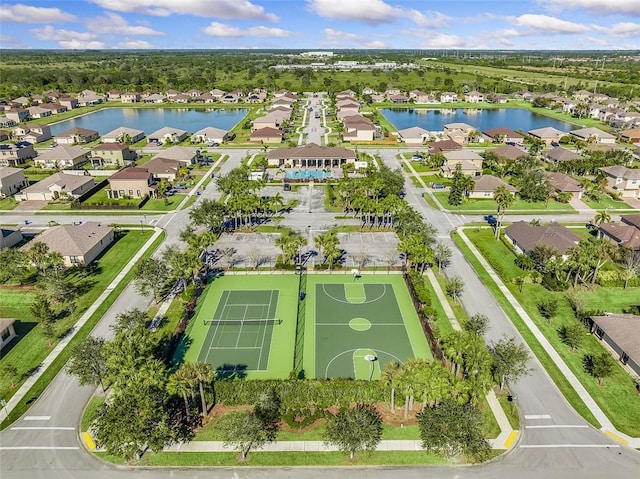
301, 418
554, 284
548, 308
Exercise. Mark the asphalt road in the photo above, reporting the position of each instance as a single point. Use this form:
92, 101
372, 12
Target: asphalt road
556, 442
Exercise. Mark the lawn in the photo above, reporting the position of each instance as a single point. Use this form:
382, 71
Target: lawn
606, 202
167, 204
489, 205
32, 347
8, 203
618, 398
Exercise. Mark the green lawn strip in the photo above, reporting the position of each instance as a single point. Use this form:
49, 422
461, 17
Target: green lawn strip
56, 206
430, 201
166, 204
283, 338
489, 206
618, 397
606, 202
306, 458
491, 428
416, 182
100, 197
53, 369
90, 411
510, 409
612, 300
442, 322
456, 306
8, 203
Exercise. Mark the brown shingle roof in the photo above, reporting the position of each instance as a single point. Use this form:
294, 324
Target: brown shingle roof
444, 145
110, 147
507, 132
509, 152
73, 240
624, 330
625, 235
490, 183
131, 173
633, 220
562, 182
560, 153
267, 132
78, 131
554, 235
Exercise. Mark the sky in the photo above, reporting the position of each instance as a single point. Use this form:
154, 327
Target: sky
321, 24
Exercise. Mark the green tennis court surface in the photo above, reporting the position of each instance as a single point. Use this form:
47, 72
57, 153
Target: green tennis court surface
238, 324
360, 325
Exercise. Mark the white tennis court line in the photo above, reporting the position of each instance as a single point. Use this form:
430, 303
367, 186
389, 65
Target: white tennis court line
244, 316
537, 416
239, 347
37, 418
372, 324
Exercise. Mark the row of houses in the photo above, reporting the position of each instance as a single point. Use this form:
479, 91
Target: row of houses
356, 126
269, 128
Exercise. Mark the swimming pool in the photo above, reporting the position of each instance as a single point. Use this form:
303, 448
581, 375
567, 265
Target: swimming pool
307, 174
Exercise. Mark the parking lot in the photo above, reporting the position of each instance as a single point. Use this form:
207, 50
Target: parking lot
247, 250
370, 249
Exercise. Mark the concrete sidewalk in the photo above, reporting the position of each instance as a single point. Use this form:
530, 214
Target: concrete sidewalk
606, 426
24, 389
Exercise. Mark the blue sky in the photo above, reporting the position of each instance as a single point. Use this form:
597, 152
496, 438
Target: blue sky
321, 24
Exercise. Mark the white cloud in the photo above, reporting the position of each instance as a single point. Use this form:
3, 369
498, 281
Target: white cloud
429, 19
226, 9
540, 24
135, 45
367, 11
20, 13
222, 30
82, 45
337, 38
625, 29
7, 41
628, 7
115, 24
481, 18
441, 40
334, 35
58, 34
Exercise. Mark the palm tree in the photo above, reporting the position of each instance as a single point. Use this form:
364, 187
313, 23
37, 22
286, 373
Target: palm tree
602, 217
503, 198
203, 374
389, 376
182, 383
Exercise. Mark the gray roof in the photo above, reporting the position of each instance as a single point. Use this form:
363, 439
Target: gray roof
547, 132
211, 132
624, 330
490, 183
163, 165
63, 152
462, 155
6, 171
508, 152
554, 235
413, 132
178, 153
73, 240
132, 132
587, 132
562, 182
166, 130
560, 153
68, 183
619, 171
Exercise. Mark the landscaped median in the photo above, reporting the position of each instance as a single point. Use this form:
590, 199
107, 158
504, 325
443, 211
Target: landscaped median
617, 397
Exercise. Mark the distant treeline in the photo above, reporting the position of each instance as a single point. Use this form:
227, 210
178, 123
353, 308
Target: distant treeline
39, 71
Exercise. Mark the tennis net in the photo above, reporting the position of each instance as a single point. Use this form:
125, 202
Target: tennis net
233, 322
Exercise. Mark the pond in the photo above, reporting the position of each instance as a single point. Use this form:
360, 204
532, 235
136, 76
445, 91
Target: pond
435, 119
152, 119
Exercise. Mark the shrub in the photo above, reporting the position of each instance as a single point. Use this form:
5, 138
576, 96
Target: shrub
554, 284
548, 308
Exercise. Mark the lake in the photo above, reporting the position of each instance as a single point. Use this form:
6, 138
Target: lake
435, 119
152, 119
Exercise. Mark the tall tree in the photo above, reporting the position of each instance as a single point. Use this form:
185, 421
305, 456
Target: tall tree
356, 429
269, 411
88, 362
600, 366
389, 376
442, 253
454, 287
150, 276
602, 217
510, 360
244, 431
208, 213
203, 374
630, 267
504, 199
477, 324
450, 429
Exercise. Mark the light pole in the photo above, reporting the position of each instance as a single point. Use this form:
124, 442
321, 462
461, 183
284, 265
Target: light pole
372, 359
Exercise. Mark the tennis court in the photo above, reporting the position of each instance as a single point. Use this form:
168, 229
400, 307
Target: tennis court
356, 326
240, 321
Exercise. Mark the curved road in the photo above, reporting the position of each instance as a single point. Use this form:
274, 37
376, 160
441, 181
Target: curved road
556, 442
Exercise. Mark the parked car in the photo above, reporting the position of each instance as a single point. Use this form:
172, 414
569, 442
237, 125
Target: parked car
179, 187
437, 186
287, 187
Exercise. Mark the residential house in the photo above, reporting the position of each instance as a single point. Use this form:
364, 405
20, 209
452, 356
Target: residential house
155, 98
525, 237
561, 154
56, 186
7, 331
32, 133
183, 154
474, 97
79, 244
443, 145
625, 233
509, 152
398, 99
421, 97
622, 180
631, 136
254, 97
460, 132
414, 136
194, 93
369, 91
12, 180
485, 185
503, 135
209, 134
74, 136
593, 135
130, 97
217, 94
16, 154
9, 237
501, 99
621, 332
4, 135
470, 163
113, 95
562, 183
22, 102
164, 168
273, 119
359, 128
131, 182
171, 94
232, 97
68, 102
582, 95
54, 108
266, 135
89, 98
311, 156
18, 115
112, 155
36, 112
547, 134
389, 92
166, 135
123, 134
448, 97
181, 98
62, 157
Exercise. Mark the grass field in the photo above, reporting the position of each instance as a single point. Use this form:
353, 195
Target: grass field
347, 320
489, 205
618, 397
261, 351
